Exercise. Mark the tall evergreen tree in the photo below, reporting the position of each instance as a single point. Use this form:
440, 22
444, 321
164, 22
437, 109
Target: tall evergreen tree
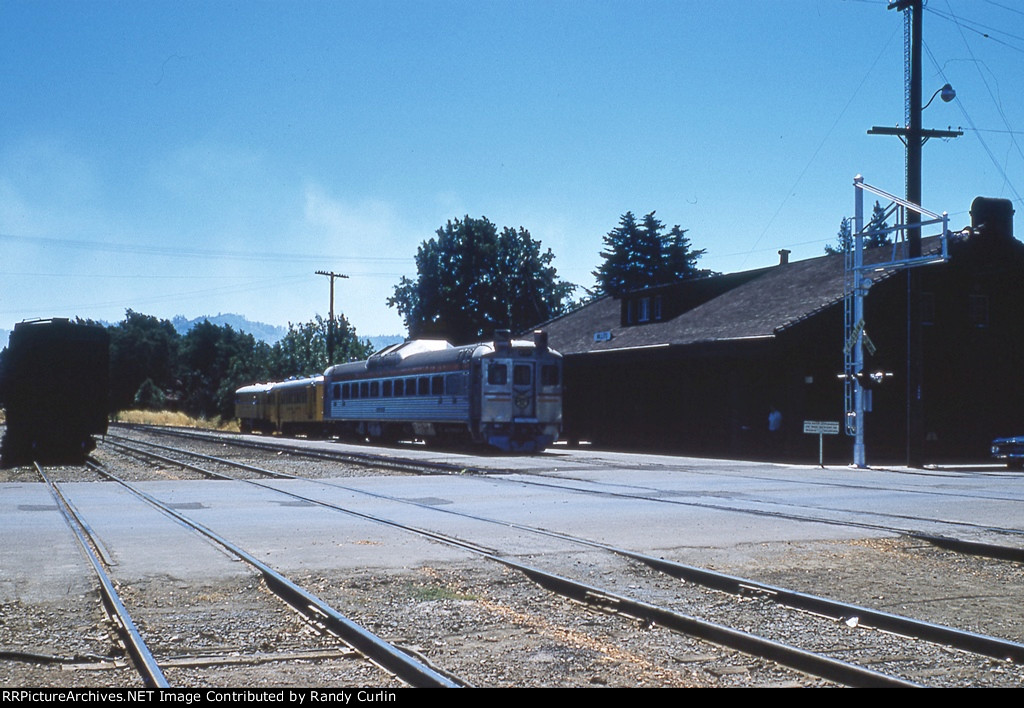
877, 223
618, 272
680, 259
642, 255
844, 239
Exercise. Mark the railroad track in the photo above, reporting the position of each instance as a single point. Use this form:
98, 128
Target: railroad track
853, 616
326, 623
888, 522
147, 667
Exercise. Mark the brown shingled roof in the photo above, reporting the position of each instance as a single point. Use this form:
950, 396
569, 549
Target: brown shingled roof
760, 306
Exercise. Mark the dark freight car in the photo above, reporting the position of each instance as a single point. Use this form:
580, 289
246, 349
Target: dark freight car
53, 386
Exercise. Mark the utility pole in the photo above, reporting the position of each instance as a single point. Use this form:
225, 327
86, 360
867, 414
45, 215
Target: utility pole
330, 322
914, 137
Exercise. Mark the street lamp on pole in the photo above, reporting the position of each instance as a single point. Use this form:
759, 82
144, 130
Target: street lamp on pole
914, 137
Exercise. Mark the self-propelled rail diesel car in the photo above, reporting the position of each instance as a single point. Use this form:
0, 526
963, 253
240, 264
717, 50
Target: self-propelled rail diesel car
506, 393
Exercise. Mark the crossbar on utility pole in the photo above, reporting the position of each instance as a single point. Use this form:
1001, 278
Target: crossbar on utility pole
330, 323
914, 137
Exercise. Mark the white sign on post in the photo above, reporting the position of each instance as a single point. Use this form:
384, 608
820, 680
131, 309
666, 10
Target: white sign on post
821, 428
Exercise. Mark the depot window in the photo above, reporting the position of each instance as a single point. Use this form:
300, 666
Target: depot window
643, 309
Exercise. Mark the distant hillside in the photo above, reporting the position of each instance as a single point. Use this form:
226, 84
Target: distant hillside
260, 330
265, 332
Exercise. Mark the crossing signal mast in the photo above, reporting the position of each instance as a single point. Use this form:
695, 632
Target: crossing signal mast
857, 381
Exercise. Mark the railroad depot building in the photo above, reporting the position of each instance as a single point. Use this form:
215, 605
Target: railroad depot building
697, 366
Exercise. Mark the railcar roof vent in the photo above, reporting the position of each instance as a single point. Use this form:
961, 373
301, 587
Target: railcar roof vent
395, 354
540, 340
502, 340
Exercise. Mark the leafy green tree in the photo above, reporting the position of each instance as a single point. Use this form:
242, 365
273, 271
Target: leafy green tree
153, 366
303, 350
213, 363
142, 348
472, 280
149, 397
641, 255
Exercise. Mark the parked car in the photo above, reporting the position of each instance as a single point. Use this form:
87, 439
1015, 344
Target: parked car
1010, 451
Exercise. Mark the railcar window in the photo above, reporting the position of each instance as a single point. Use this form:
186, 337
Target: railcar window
375, 389
549, 375
497, 374
521, 375
410, 387
364, 389
437, 386
387, 389
424, 387
399, 387
454, 385
337, 391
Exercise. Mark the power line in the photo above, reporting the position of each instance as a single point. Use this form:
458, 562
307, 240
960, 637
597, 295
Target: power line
821, 144
995, 102
182, 252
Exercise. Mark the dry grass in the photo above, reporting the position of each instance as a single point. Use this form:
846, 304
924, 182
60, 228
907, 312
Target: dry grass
171, 418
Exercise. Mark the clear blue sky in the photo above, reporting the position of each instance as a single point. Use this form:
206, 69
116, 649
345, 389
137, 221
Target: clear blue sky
201, 157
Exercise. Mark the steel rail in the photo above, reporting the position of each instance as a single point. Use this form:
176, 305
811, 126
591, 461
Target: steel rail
432, 535
134, 644
310, 606
359, 458
786, 655
987, 645
995, 551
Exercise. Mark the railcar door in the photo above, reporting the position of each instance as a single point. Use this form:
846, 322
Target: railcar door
524, 401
